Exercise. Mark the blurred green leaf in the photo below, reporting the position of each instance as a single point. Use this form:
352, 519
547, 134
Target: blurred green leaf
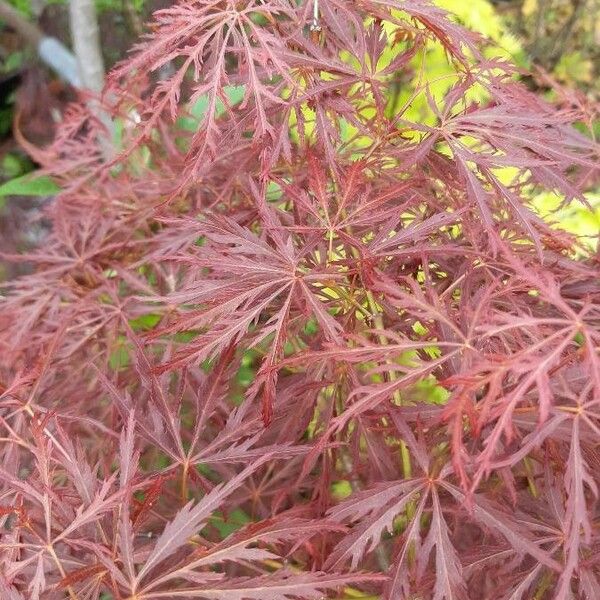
13, 61
14, 165
235, 94
144, 322
29, 185
235, 520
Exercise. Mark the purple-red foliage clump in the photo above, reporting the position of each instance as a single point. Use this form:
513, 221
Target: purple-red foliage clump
306, 348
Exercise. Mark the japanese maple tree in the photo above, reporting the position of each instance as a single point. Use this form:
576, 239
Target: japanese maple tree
298, 339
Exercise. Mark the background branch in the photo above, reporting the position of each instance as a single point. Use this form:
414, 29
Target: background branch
50, 50
85, 37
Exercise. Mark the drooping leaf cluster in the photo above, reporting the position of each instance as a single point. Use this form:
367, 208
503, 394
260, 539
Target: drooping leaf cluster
295, 341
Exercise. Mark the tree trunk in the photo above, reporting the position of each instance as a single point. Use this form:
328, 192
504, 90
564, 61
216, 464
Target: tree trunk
85, 36
86, 43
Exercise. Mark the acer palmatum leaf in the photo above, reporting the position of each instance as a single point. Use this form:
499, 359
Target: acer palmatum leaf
188, 520
270, 587
307, 334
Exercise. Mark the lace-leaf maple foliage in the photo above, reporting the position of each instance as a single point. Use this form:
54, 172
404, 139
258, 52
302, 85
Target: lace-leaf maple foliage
306, 336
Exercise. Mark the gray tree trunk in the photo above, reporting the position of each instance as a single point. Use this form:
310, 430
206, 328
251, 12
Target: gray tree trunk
86, 43
85, 36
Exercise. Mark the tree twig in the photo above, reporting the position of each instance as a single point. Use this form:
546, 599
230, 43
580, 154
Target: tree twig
50, 50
